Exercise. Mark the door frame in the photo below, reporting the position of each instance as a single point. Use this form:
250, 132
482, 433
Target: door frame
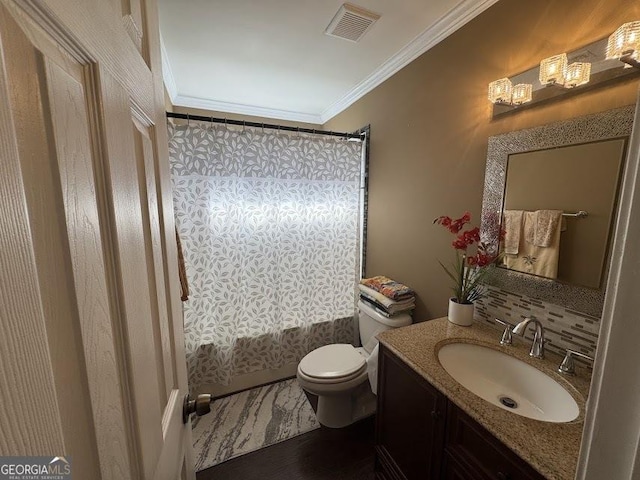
611, 435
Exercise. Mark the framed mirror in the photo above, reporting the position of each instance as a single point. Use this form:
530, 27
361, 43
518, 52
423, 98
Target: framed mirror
559, 170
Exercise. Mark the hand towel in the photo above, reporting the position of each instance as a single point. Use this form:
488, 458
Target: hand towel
529, 226
512, 228
385, 301
389, 288
563, 224
540, 226
376, 307
390, 311
542, 261
546, 223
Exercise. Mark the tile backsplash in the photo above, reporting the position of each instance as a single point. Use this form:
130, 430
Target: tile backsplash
564, 328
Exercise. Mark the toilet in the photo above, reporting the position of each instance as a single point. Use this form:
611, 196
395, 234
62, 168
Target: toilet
339, 374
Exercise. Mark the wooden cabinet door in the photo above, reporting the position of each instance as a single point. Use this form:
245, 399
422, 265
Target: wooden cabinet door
471, 445
452, 470
411, 420
91, 334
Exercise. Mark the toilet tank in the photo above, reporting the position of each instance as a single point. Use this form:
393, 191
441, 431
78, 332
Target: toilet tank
371, 323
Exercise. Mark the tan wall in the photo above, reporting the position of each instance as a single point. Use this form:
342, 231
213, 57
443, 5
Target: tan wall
430, 124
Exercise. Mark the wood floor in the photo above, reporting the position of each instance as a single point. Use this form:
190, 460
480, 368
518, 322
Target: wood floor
324, 454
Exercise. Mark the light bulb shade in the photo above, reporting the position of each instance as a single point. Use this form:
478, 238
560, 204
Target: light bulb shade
553, 70
500, 91
522, 93
578, 73
624, 41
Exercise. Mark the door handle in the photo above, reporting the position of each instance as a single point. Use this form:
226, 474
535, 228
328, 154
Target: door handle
201, 405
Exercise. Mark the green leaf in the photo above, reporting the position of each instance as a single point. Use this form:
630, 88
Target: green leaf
452, 274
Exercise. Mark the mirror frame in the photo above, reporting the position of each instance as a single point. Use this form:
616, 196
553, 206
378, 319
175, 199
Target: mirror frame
607, 125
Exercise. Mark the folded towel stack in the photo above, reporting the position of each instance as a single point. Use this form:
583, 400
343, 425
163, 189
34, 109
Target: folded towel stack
386, 296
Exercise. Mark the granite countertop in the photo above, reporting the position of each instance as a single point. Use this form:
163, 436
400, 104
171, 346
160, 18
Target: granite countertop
551, 448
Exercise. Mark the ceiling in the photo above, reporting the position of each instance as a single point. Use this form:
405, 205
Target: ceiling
272, 59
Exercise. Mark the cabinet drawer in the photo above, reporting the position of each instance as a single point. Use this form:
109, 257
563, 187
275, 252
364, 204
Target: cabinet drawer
473, 446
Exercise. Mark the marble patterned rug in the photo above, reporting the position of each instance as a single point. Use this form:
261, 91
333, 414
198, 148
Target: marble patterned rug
249, 420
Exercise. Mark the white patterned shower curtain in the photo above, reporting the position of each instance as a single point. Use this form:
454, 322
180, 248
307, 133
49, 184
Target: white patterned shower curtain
269, 224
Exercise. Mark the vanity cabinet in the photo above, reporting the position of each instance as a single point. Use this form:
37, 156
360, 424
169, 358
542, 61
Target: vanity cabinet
421, 435
410, 423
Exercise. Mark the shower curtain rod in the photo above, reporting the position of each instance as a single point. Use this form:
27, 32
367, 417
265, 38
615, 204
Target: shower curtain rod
242, 123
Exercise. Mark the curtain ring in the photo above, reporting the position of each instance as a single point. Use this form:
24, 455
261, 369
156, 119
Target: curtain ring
188, 120
244, 125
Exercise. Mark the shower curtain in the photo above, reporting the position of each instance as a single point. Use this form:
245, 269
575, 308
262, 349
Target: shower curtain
269, 224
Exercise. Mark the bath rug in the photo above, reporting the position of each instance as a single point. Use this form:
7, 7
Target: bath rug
250, 420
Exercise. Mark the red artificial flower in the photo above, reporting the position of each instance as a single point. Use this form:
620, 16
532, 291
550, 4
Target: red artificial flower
466, 239
483, 259
457, 224
472, 236
468, 270
454, 226
459, 244
444, 221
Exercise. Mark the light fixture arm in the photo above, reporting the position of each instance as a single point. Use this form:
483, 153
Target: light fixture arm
630, 59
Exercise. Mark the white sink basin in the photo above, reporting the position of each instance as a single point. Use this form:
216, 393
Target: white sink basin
507, 382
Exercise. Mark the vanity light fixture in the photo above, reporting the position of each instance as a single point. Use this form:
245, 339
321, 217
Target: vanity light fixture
584, 68
522, 93
624, 44
578, 73
500, 91
553, 70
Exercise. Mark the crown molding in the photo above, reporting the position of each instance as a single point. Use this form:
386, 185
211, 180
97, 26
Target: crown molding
458, 16
255, 111
167, 73
462, 13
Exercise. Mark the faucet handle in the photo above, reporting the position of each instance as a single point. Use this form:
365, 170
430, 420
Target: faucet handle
568, 366
506, 335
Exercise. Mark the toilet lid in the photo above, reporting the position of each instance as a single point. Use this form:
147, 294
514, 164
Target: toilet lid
332, 361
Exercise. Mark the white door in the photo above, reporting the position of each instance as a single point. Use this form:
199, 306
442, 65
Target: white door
91, 335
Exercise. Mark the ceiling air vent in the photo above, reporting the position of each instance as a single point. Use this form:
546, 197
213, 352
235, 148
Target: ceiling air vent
351, 22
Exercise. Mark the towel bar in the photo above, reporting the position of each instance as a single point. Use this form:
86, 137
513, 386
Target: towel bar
579, 214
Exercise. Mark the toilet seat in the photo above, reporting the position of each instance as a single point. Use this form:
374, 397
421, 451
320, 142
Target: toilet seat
335, 363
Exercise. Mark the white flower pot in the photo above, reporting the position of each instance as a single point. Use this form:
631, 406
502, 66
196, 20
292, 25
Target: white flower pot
460, 313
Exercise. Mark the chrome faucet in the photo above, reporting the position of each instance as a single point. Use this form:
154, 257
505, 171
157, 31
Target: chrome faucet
567, 366
537, 347
506, 335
